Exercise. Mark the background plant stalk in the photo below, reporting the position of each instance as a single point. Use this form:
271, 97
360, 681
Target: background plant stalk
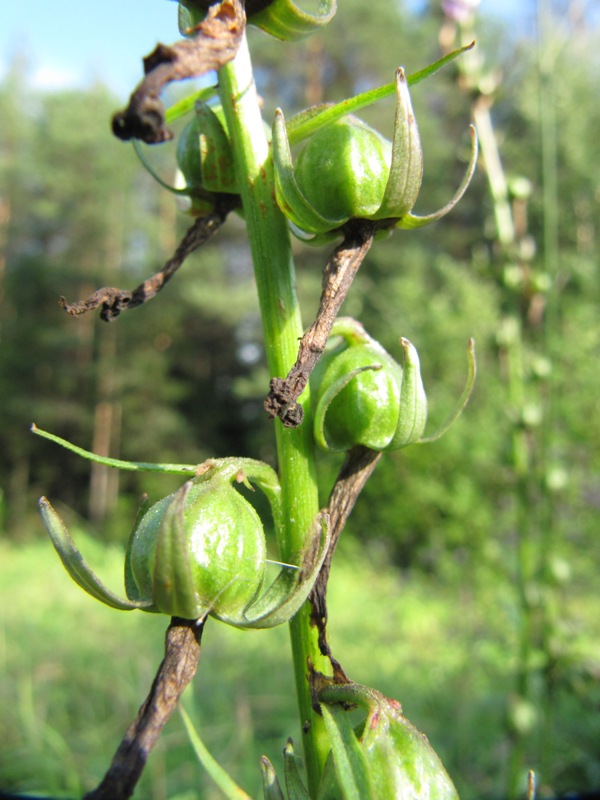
282, 327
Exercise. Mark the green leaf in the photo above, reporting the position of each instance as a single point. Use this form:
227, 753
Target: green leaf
305, 124
222, 779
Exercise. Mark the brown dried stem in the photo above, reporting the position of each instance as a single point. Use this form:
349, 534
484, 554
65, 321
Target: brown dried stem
182, 653
113, 301
216, 41
338, 275
355, 471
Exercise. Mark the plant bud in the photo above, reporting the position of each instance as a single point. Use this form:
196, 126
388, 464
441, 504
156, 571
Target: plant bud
389, 758
364, 397
204, 155
201, 550
344, 168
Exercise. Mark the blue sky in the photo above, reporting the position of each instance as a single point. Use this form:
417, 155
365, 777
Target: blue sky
70, 42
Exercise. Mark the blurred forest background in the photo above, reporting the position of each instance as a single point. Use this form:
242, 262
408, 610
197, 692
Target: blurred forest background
467, 582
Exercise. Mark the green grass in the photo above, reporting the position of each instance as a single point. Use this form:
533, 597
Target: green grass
73, 673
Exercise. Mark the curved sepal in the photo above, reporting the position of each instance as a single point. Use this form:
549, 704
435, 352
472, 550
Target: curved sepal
325, 401
463, 400
271, 787
296, 790
351, 768
285, 20
413, 400
76, 566
411, 221
131, 588
282, 600
406, 170
173, 578
216, 155
290, 199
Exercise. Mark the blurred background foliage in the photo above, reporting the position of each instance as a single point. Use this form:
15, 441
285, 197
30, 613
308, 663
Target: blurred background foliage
466, 586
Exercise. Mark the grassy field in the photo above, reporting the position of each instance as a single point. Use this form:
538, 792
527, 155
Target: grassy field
73, 673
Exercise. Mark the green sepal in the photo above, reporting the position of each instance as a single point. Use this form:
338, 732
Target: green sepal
351, 768
413, 400
271, 787
325, 401
173, 584
76, 566
406, 170
295, 788
400, 761
289, 197
288, 592
216, 155
285, 20
412, 221
131, 588
188, 16
462, 401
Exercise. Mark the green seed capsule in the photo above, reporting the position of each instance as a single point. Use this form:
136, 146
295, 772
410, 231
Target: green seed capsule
204, 154
364, 397
364, 410
344, 168
389, 758
201, 550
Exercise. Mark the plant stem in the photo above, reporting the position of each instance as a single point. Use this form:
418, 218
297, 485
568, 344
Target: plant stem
282, 326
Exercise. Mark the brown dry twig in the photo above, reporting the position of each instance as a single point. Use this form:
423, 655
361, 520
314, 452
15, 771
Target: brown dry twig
357, 468
215, 43
338, 275
182, 653
113, 301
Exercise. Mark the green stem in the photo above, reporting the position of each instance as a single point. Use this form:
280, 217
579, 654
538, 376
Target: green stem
282, 326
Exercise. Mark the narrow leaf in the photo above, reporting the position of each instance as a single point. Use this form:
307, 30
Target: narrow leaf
132, 466
296, 790
223, 780
303, 125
